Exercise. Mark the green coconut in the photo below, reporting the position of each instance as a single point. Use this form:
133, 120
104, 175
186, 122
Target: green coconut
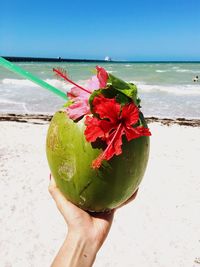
70, 157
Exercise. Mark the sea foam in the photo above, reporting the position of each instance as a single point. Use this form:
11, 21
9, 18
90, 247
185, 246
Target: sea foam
175, 90
170, 89
27, 83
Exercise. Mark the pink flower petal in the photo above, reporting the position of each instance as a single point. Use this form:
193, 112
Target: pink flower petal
78, 109
93, 84
102, 76
80, 106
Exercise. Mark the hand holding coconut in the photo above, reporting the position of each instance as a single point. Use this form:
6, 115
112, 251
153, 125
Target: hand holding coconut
86, 232
97, 149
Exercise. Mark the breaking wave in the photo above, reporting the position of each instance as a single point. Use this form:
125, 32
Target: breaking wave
27, 83
170, 89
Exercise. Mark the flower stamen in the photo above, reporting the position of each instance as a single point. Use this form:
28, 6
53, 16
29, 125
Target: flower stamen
63, 75
97, 162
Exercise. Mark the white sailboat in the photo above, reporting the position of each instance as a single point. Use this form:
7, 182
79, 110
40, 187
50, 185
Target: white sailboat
108, 58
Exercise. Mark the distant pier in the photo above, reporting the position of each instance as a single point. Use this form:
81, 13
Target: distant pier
58, 59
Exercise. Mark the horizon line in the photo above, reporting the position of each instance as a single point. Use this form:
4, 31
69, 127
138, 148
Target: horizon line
60, 59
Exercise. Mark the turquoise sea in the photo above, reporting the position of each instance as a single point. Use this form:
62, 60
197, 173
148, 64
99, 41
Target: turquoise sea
166, 89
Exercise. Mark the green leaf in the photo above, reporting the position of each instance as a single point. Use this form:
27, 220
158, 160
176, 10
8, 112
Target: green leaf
142, 120
128, 89
94, 94
122, 99
138, 102
68, 103
117, 83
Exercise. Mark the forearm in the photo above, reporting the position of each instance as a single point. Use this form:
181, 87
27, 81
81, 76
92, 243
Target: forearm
76, 251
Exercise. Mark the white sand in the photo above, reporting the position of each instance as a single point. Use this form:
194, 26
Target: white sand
161, 228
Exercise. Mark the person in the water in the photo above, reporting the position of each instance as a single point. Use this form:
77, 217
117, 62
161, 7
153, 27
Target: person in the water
195, 79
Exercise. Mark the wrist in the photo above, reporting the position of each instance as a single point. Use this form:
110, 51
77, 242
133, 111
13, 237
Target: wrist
84, 236
77, 250
80, 250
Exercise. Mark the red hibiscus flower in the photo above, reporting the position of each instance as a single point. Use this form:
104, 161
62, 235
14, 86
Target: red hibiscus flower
114, 121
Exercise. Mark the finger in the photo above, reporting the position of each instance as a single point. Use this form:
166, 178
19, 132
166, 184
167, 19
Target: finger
107, 215
67, 209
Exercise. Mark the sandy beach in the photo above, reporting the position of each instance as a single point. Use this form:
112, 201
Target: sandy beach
159, 229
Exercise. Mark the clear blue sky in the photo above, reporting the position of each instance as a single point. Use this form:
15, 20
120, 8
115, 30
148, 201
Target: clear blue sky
124, 30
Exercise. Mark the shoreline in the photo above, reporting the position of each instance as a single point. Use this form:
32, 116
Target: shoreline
45, 118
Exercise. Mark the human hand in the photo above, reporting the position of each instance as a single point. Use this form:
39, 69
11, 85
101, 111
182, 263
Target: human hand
93, 225
88, 229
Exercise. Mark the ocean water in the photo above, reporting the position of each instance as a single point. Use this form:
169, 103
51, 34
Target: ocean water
166, 89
